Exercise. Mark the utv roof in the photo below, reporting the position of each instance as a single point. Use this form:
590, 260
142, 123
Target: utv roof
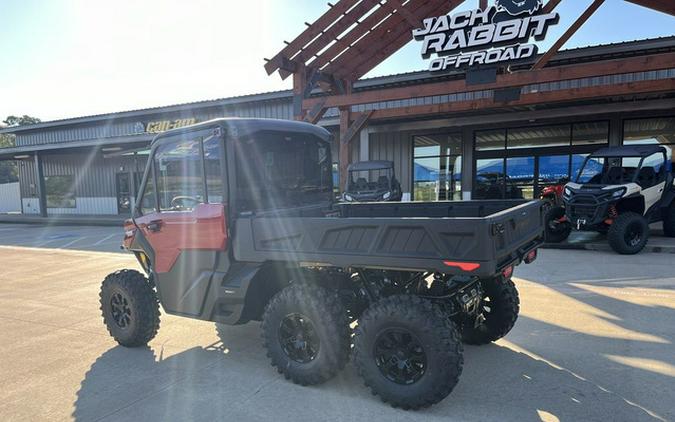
629, 151
370, 165
241, 127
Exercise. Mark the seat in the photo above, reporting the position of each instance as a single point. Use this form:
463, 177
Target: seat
646, 177
361, 184
614, 176
383, 182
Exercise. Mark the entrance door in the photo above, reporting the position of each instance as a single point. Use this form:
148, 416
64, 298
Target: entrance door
183, 223
124, 195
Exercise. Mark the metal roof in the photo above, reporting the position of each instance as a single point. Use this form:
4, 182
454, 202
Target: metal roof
629, 151
580, 54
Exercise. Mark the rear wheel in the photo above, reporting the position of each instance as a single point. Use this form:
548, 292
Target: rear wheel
306, 333
501, 305
130, 308
408, 352
669, 221
556, 230
628, 234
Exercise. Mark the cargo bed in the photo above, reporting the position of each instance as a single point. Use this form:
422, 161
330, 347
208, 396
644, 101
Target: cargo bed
426, 236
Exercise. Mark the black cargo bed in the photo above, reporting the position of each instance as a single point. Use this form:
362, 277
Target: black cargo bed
492, 234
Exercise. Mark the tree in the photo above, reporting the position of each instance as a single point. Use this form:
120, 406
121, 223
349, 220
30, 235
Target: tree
21, 121
8, 169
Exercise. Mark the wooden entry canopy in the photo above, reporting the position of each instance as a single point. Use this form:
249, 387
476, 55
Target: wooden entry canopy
354, 36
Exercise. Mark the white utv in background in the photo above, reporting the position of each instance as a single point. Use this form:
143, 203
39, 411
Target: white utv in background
620, 191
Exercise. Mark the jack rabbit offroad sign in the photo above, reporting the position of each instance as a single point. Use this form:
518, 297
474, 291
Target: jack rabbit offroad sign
500, 33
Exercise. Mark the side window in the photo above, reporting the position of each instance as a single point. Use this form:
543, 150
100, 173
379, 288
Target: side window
178, 168
651, 171
213, 169
148, 203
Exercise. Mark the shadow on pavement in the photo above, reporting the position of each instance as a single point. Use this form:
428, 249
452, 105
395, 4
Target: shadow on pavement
226, 382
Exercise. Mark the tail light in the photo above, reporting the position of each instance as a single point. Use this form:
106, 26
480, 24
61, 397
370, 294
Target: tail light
530, 257
507, 272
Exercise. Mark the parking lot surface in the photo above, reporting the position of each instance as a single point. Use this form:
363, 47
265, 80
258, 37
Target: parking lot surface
90, 238
594, 342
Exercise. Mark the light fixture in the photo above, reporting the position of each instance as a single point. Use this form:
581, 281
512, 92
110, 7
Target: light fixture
110, 149
21, 157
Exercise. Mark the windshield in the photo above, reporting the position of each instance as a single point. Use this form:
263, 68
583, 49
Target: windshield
370, 181
609, 170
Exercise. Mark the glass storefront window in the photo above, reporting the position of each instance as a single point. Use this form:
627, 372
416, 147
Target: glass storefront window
489, 178
577, 162
538, 137
590, 133
491, 140
650, 131
553, 169
437, 167
519, 181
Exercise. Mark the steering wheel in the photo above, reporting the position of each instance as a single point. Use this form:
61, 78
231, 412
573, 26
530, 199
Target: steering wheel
179, 202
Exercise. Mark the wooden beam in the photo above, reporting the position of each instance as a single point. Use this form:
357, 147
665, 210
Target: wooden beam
299, 89
356, 127
316, 112
385, 40
550, 74
543, 60
332, 33
310, 33
552, 4
665, 6
343, 156
397, 7
548, 97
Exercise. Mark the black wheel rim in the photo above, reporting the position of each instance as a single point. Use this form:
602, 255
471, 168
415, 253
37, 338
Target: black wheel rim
121, 312
400, 356
298, 338
633, 234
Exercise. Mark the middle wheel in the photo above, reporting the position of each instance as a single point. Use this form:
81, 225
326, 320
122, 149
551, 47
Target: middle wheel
408, 352
306, 333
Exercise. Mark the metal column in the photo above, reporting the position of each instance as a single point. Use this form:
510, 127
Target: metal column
40, 184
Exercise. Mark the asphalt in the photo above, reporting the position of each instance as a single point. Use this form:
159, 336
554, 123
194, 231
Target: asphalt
594, 341
57, 236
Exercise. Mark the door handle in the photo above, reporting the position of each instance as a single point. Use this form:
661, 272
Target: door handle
154, 225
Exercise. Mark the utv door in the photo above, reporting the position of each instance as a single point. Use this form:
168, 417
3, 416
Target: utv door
182, 217
652, 179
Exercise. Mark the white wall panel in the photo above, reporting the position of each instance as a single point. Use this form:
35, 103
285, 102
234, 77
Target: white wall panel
10, 197
97, 206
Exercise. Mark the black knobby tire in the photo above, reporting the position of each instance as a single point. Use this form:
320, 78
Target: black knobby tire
669, 221
628, 234
556, 231
501, 306
306, 333
431, 369
130, 308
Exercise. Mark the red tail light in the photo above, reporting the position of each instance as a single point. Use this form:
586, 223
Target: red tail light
507, 272
530, 257
464, 266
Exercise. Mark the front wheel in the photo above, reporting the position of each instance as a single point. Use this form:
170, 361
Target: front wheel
557, 227
628, 233
130, 308
500, 306
306, 333
408, 352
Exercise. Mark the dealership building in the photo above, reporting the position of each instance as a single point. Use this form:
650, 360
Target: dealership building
457, 131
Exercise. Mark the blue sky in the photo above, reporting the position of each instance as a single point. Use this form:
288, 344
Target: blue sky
62, 59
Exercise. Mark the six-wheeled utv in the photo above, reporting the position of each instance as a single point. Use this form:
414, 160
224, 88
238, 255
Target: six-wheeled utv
372, 181
620, 191
235, 221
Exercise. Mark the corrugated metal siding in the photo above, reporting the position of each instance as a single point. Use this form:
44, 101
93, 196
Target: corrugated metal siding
396, 147
277, 109
94, 175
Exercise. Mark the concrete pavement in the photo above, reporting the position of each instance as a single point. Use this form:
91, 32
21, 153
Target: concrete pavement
594, 342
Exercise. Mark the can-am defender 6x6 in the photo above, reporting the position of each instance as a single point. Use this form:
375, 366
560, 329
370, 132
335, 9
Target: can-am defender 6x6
372, 181
620, 191
235, 221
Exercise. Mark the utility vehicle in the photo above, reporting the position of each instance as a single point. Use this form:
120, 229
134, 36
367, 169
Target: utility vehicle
235, 221
372, 181
620, 191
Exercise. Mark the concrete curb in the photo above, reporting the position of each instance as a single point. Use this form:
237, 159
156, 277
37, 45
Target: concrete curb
604, 246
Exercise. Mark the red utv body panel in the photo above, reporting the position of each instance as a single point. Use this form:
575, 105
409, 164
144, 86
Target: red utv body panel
171, 232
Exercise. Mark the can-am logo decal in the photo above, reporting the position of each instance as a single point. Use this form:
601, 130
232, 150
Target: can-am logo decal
500, 33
